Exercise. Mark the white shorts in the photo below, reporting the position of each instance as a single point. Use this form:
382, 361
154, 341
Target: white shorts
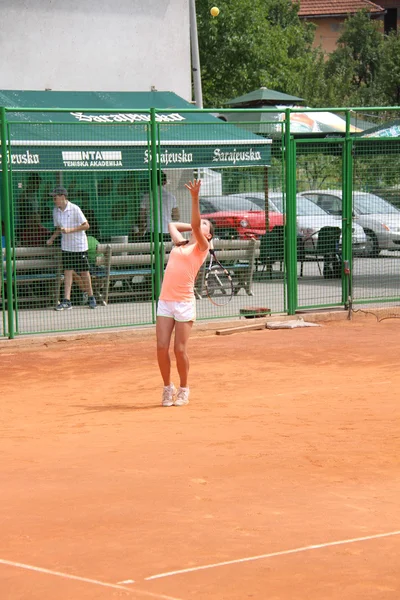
179, 311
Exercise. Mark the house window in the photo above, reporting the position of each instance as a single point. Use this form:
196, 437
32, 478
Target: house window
390, 20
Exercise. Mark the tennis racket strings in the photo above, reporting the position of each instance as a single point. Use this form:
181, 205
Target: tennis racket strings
218, 282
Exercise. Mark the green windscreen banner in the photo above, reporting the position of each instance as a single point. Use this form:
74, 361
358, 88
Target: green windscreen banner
92, 158
117, 131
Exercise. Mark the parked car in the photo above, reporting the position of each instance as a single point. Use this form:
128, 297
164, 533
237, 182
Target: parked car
389, 193
379, 218
310, 218
236, 217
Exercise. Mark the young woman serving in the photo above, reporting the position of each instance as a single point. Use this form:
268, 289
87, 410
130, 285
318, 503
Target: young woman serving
177, 305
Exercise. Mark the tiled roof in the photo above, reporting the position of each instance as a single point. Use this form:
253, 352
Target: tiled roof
325, 8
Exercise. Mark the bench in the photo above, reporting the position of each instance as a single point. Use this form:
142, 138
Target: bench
37, 273
127, 269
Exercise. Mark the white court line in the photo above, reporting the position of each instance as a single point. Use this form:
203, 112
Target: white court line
272, 554
115, 586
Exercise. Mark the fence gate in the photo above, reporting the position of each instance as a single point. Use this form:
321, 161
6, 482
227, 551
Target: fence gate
324, 238
376, 277
348, 178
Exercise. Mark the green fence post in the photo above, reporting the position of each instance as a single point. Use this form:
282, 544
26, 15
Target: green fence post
6, 203
291, 225
154, 197
347, 207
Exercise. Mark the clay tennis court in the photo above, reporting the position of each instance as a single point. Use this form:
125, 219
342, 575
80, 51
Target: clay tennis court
280, 480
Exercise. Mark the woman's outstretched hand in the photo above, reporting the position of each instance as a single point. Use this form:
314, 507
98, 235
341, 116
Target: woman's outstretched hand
194, 187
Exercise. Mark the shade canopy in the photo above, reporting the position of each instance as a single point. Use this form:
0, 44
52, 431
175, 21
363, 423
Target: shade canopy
85, 138
301, 123
263, 96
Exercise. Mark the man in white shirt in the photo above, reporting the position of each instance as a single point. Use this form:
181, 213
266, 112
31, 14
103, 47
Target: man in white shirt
71, 223
169, 212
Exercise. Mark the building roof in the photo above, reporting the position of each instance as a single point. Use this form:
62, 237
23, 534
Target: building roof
262, 97
335, 8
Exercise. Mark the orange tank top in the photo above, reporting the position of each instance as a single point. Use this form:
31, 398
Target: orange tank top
180, 274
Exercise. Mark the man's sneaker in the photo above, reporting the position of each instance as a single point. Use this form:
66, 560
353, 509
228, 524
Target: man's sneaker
85, 298
92, 302
169, 392
64, 305
182, 396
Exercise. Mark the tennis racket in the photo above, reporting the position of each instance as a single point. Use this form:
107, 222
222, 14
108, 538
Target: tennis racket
218, 282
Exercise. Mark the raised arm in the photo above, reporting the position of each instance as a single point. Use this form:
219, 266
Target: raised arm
194, 189
176, 229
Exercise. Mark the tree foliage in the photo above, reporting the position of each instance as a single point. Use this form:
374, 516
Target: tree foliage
365, 66
389, 71
354, 64
255, 43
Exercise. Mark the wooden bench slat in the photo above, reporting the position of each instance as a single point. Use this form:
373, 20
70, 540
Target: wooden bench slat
132, 259
45, 251
133, 247
37, 265
131, 272
225, 255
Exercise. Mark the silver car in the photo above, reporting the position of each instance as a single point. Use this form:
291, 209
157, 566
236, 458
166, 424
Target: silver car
310, 219
379, 219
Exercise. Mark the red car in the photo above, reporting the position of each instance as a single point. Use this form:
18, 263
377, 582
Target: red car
237, 217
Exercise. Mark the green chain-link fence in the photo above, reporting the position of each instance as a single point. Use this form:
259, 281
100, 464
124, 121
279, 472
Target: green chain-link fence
289, 203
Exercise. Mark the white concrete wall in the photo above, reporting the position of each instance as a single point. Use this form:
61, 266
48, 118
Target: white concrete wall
95, 45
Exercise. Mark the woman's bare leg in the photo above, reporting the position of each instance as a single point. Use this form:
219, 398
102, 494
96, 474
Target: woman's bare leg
182, 333
164, 328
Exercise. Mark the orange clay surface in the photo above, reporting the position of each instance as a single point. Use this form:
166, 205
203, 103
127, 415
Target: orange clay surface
291, 440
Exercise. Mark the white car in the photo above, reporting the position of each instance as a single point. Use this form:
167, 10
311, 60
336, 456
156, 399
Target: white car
379, 218
310, 219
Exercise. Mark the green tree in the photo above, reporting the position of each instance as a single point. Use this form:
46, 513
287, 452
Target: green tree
355, 64
255, 43
389, 70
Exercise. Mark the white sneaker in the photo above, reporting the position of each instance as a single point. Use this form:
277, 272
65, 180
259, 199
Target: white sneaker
169, 392
182, 396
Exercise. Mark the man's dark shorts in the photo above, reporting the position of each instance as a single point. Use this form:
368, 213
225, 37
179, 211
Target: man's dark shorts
75, 261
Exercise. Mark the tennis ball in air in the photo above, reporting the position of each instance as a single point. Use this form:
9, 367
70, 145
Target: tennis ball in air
214, 11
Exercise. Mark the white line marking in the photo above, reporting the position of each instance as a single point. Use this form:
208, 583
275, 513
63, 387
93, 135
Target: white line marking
272, 554
115, 586
126, 581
